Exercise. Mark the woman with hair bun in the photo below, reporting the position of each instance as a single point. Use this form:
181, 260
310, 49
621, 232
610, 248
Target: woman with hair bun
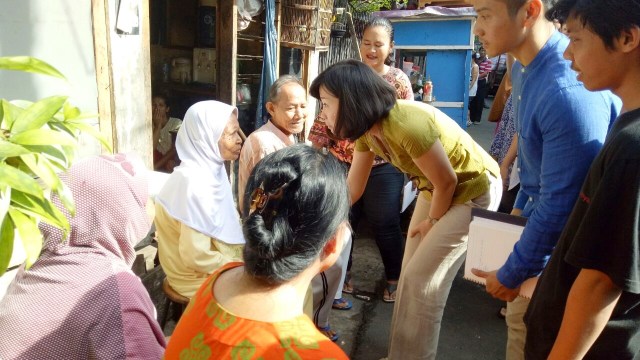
295, 227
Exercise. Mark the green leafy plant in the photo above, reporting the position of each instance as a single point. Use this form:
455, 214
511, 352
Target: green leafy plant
367, 6
37, 141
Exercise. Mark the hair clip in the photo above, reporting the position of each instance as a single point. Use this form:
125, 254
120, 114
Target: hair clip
260, 198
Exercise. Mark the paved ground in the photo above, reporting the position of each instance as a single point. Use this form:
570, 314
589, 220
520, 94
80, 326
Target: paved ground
471, 328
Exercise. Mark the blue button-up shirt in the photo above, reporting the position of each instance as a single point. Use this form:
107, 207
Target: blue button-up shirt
561, 127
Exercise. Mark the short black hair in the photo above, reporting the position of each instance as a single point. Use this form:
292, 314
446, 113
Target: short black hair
364, 96
607, 19
289, 233
514, 5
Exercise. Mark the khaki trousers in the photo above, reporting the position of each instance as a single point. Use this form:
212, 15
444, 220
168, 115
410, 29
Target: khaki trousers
428, 268
517, 330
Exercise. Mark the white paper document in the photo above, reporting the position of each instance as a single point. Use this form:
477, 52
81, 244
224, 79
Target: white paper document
491, 239
408, 194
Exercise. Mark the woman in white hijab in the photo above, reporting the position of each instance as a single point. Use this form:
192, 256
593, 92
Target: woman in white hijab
197, 225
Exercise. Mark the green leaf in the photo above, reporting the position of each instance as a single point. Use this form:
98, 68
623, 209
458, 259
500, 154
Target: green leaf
22, 104
6, 243
53, 153
70, 112
43, 137
29, 234
41, 208
29, 64
61, 126
85, 116
8, 149
18, 180
11, 113
5, 200
93, 132
39, 166
38, 114
69, 152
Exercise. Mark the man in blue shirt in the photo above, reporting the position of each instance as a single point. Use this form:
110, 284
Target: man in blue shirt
560, 128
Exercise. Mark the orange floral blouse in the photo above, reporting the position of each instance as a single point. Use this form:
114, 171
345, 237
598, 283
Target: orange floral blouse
343, 149
207, 331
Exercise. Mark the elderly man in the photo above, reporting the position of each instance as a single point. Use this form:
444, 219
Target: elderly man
287, 106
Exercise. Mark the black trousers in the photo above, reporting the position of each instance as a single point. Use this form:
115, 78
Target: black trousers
477, 104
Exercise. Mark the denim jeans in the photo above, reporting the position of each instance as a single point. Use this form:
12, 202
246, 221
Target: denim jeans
381, 203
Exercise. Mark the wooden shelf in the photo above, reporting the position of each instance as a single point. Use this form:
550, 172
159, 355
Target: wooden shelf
249, 57
250, 37
190, 88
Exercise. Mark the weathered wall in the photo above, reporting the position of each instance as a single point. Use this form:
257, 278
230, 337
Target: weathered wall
58, 32
124, 79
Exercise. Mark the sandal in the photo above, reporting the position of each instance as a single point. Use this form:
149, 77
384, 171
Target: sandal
389, 295
342, 304
331, 334
347, 288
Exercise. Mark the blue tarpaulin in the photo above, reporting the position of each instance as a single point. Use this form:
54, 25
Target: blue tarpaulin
269, 72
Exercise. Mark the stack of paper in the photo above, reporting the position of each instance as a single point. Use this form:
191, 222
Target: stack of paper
491, 239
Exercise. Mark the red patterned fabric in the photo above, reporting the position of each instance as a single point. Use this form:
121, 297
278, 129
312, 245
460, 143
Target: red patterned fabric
485, 68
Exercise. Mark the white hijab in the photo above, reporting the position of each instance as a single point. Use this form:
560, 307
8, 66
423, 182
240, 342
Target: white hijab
198, 192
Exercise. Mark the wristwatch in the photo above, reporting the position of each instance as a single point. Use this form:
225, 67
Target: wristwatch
432, 220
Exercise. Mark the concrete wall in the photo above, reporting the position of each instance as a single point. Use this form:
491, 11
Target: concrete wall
60, 33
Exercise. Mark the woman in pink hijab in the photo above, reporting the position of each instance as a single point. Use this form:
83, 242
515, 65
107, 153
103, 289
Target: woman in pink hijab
80, 299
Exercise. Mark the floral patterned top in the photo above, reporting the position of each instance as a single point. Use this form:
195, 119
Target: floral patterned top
207, 331
504, 134
343, 149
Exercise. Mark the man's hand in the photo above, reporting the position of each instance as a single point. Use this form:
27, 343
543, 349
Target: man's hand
422, 229
494, 287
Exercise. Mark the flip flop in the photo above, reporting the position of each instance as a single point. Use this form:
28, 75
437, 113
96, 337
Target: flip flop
342, 304
389, 291
326, 331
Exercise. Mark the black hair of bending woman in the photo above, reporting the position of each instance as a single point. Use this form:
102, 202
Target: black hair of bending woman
365, 97
305, 199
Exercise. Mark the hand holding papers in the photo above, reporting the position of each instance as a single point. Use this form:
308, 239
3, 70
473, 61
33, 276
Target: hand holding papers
491, 239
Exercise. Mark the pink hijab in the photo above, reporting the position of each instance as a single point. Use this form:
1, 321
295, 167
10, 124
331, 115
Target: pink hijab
80, 298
